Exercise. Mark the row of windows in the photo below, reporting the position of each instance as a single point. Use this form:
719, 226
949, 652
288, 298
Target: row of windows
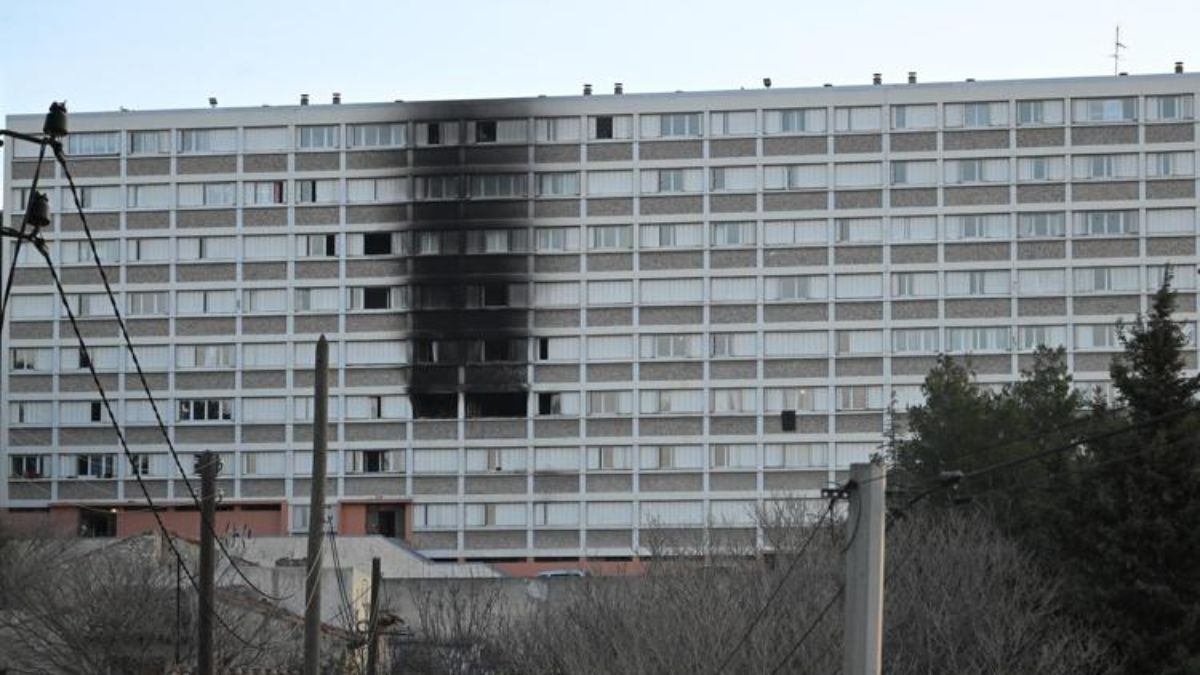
782, 288
986, 114
650, 182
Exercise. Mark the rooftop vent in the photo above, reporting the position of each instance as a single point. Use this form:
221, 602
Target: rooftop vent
877, 78
970, 79
587, 90
618, 88
912, 77
212, 101
767, 82
303, 99
827, 85
1179, 66
337, 98
1123, 74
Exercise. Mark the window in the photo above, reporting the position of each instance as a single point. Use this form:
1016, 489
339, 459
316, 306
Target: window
858, 286
857, 119
978, 226
733, 234
76, 251
959, 171
512, 460
148, 196
32, 306
437, 133
1170, 108
200, 410
499, 185
914, 173
811, 343
609, 514
793, 232
316, 191
976, 115
914, 284
1041, 224
1106, 279
378, 135
1103, 336
374, 461
264, 410
28, 466
671, 401
867, 174
609, 183
1042, 282
266, 139
557, 129
317, 300
795, 455
859, 230
1104, 109
555, 514
672, 180
733, 345
609, 292
610, 402
100, 197
264, 355
914, 340
1104, 223
741, 123
207, 140
207, 248
1104, 167
435, 516
95, 143
498, 131
316, 245
914, 228
149, 142
1031, 337
494, 515
207, 194
734, 179
1182, 277
1032, 113
264, 464
147, 303
994, 339
795, 121
556, 294
317, 137
859, 398
676, 125
610, 348
562, 184
995, 282
558, 349
610, 458
267, 247
914, 117
670, 235
556, 459
361, 190
610, 127
148, 250
671, 346
797, 288
795, 177
671, 457
90, 466
610, 237
377, 297
264, 300
734, 289
851, 342
1036, 169
30, 359
1165, 164
1170, 221
205, 302
556, 239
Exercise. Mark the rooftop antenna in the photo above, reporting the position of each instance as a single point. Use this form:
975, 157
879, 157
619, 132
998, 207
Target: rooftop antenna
1116, 55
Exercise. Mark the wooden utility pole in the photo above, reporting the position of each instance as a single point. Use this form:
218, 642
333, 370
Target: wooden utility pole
864, 571
208, 465
316, 513
373, 618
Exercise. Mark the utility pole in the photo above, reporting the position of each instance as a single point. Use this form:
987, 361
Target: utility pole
208, 466
373, 618
316, 513
864, 571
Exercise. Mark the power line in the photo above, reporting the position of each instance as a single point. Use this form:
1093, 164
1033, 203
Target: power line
811, 627
816, 528
40, 245
60, 157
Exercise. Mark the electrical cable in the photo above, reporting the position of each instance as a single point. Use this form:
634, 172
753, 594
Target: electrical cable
60, 157
816, 528
112, 418
812, 626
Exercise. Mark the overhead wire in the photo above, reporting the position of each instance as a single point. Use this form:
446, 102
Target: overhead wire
60, 157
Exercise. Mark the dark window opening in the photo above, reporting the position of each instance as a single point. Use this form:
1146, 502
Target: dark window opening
495, 295
509, 404
604, 127
549, 404
787, 420
374, 461
543, 348
434, 406
485, 132
331, 244
95, 412
499, 350
435, 351
377, 297
377, 243
433, 134
97, 524
386, 521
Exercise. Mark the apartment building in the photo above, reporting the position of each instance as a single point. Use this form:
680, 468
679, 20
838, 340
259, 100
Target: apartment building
564, 326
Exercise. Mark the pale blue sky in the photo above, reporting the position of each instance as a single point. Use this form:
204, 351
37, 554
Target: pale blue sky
166, 54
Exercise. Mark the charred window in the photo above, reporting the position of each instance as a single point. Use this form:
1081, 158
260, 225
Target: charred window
377, 243
377, 297
485, 132
505, 404
604, 126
